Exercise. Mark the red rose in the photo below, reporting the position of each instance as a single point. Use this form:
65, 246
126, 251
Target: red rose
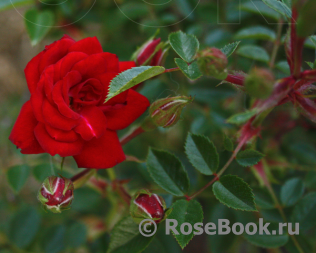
66, 113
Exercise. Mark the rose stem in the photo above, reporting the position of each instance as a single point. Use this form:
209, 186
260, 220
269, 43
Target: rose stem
171, 70
80, 175
129, 136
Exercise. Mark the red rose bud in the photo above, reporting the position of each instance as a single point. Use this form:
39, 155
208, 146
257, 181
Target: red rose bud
56, 194
166, 112
152, 53
146, 205
259, 83
213, 62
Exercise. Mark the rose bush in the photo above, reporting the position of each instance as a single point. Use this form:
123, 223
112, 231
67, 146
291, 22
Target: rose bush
66, 113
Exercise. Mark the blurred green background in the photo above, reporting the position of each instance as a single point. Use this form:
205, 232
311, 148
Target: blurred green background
122, 26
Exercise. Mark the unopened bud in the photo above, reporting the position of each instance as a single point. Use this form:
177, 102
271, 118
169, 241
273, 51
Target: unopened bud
166, 112
259, 83
152, 53
213, 62
56, 194
146, 205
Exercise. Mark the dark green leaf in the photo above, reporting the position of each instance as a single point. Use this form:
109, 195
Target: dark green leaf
76, 235
263, 199
8, 4
38, 24
42, 171
202, 153
191, 71
292, 191
228, 144
229, 49
24, 227
249, 157
132, 77
235, 193
304, 211
256, 32
283, 66
268, 241
17, 176
254, 53
189, 212
280, 7
306, 23
185, 45
167, 171
258, 7
126, 238
54, 239
241, 118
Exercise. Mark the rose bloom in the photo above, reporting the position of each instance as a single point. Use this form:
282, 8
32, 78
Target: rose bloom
66, 114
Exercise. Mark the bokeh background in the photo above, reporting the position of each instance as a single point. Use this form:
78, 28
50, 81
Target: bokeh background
122, 26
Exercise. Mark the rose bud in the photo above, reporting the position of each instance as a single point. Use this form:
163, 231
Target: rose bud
166, 112
146, 205
213, 62
56, 194
152, 53
259, 83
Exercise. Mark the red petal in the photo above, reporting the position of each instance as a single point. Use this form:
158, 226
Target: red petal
55, 52
60, 135
125, 65
112, 62
136, 105
32, 73
147, 51
22, 134
53, 117
101, 153
92, 123
60, 94
93, 66
87, 45
54, 147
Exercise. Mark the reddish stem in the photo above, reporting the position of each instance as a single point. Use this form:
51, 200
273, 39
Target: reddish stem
137, 131
79, 175
172, 70
216, 178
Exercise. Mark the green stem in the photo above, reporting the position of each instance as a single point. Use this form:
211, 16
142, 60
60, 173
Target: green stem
276, 44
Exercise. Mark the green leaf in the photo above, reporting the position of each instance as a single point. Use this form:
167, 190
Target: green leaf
304, 211
202, 153
17, 176
306, 23
268, 241
254, 53
54, 239
132, 77
126, 238
229, 49
186, 46
292, 191
284, 67
310, 64
191, 71
8, 4
42, 171
256, 32
258, 7
241, 118
186, 212
24, 226
263, 199
235, 193
76, 235
38, 24
228, 144
168, 172
280, 7
249, 157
